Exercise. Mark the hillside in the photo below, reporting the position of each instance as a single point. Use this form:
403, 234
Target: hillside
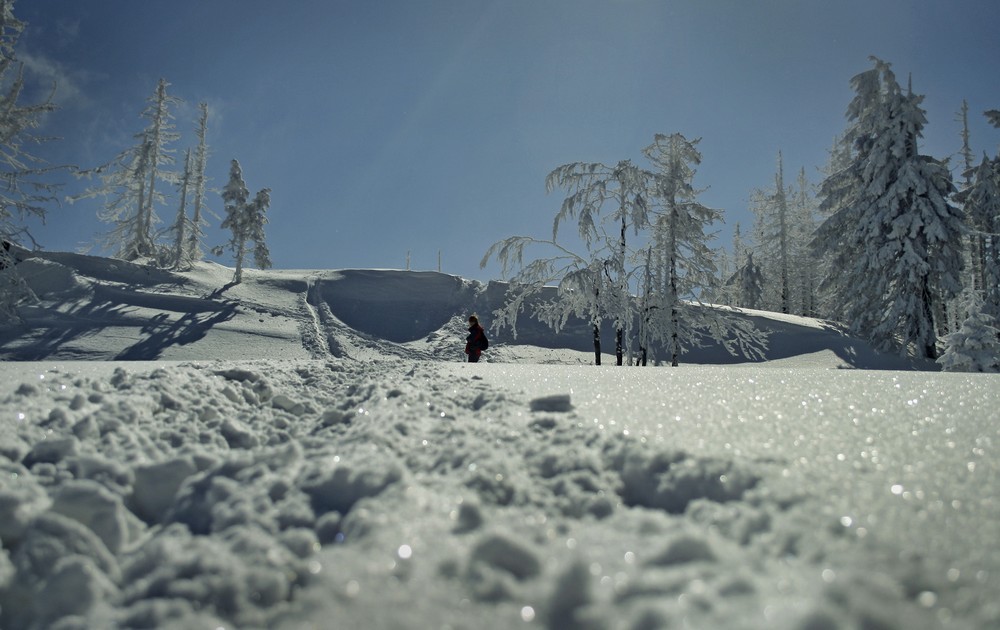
94, 308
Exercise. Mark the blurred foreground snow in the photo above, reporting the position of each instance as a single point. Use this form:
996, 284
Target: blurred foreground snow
391, 494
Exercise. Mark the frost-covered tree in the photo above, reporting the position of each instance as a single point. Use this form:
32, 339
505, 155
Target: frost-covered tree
968, 159
993, 115
670, 268
719, 291
182, 224
129, 182
246, 220
592, 188
158, 136
680, 262
595, 285
579, 280
893, 237
123, 186
189, 232
991, 255
840, 157
647, 308
728, 293
973, 253
982, 207
975, 347
805, 266
235, 197
783, 228
23, 193
773, 236
195, 239
257, 220
739, 251
749, 283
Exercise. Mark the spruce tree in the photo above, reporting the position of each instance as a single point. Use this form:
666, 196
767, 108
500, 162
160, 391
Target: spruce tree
982, 206
772, 233
750, 284
246, 220
234, 198
257, 219
894, 239
975, 347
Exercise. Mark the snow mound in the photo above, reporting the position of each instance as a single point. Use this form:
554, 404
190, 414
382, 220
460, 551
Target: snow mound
46, 277
671, 480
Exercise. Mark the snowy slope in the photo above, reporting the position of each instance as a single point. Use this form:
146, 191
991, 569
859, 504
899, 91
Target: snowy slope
100, 309
318, 474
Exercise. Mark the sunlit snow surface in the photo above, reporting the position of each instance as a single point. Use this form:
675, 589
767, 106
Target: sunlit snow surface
416, 494
356, 475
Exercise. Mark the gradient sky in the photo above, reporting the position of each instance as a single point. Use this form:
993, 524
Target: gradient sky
388, 126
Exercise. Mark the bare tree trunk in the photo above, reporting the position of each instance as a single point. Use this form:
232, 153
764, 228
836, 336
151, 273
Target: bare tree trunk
179, 257
674, 317
674, 342
930, 343
619, 333
240, 253
597, 344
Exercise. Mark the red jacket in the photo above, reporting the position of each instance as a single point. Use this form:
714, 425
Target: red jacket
474, 341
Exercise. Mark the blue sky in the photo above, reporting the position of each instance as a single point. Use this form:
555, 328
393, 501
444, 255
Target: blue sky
392, 126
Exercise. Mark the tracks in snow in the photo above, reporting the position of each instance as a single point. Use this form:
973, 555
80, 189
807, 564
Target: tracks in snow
314, 338
324, 335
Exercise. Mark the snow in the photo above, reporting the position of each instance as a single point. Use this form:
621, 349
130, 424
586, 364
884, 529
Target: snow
307, 450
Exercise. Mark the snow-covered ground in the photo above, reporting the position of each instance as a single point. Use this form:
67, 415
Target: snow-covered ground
307, 450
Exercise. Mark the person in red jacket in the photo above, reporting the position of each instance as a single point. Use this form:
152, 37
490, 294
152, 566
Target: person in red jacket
476, 340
